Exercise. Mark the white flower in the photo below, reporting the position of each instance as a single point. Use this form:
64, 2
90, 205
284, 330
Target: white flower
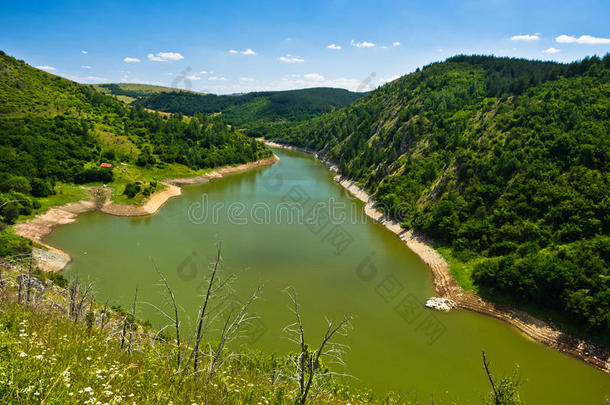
88, 389
22, 354
37, 393
39, 357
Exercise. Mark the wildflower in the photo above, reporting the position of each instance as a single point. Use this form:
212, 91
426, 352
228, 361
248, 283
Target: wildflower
22, 354
38, 357
88, 389
37, 393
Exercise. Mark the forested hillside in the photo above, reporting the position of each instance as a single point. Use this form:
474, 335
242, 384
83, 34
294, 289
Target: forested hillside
505, 161
252, 109
55, 130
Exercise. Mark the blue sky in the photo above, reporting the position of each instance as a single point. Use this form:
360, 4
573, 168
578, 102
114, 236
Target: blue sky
237, 46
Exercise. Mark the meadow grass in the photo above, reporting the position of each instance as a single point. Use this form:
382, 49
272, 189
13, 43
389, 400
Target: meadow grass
47, 357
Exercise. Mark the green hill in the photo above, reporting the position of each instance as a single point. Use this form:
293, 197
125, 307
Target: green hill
251, 109
130, 92
55, 131
504, 162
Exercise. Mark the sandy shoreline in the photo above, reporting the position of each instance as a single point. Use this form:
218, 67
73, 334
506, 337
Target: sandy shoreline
173, 189
53, 259
446, 287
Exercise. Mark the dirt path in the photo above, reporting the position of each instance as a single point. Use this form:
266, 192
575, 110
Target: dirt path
53, 259
446, 287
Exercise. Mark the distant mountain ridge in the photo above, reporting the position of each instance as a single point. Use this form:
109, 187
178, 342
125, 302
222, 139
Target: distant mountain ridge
244, 109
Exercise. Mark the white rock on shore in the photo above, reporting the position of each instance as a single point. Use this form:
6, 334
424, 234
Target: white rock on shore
440, 304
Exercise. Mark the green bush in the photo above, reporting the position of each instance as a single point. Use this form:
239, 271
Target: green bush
41, 188
131, 190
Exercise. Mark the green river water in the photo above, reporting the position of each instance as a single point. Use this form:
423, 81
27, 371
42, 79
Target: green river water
336, 265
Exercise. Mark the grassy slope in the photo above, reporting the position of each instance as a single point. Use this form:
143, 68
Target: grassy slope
130, 92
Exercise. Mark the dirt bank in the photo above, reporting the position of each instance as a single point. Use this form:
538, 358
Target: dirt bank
446, 287
39, 227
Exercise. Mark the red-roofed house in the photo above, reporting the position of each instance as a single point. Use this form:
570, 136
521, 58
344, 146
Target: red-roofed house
106, 166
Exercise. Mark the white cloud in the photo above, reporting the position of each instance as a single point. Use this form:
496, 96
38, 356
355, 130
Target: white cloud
314, 77
83, 52
165, 56
551, 50
583, 39
396, 43
193, 77
88, 79
131, 60
334, 47
247, 79
384, 47
215, 78
363, 44
96, 79
51, 68
154, 58
246, 52
291, 59
206, 72
526, 37
85, 67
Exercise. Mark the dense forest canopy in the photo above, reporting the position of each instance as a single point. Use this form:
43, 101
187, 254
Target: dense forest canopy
250, 109
52, 129
504, 160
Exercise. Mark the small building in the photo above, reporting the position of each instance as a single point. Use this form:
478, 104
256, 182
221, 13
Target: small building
106, 165
138, 183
